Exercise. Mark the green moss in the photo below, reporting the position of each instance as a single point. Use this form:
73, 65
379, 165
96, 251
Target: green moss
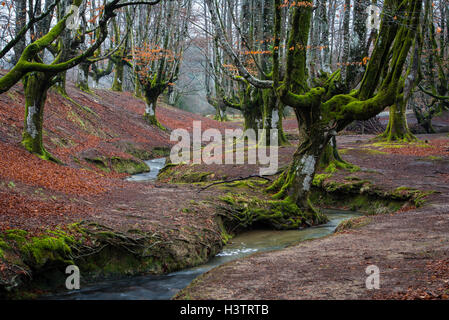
360, 195
129, 166
281, 186
367, 204
412, 194
72, 116
102, 253
319, 179
192, 177
19, 236
99, 162
3, 246
225, 235
50, 248
243, 212
331, 168
434, 158
160, 152
119, 165
331, 161
168, 171
346, 186
373, 151
152, 120
138, 153
244, 184
399, 144
47, 249
335, 165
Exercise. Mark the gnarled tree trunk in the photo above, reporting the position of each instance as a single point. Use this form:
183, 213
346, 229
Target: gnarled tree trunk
36, 86
397, 129
151, 94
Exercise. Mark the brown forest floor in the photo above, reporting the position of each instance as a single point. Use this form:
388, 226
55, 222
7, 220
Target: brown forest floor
37, 194
410, 247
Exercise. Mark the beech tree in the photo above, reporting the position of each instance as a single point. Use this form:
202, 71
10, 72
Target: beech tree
156, 57
325, 109
425, 65
431, 93
253, 48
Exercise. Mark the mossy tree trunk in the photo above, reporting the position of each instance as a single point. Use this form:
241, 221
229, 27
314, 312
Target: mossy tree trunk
220, 106
424, 115
20, 8
137, 87
36, 86
323, 111
117, 84
82, 81
250, 102
220, 112
397, 129
252, 118
272, 118
152, 91
331, 159
60, 83
98, 73
295, 183
150, 109
119, 59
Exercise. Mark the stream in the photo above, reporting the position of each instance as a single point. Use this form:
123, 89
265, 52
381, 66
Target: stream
164, 287
155, 166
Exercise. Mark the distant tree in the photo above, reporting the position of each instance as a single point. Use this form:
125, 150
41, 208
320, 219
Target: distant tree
157, 61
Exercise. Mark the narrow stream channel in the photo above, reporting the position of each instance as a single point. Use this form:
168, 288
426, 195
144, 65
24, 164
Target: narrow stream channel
164, 287
155, 166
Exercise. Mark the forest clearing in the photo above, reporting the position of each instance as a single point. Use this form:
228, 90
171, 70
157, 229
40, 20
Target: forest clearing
224, 150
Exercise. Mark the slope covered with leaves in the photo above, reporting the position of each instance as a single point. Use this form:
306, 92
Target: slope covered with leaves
84, 131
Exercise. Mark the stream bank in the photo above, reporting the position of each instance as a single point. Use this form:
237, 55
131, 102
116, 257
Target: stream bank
164, 287
104, 253
408, 242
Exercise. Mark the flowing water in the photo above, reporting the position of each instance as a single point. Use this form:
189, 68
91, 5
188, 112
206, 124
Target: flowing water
155, 165
166, 286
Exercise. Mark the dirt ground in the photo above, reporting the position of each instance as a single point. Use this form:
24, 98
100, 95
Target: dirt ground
410, 248
38, 196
